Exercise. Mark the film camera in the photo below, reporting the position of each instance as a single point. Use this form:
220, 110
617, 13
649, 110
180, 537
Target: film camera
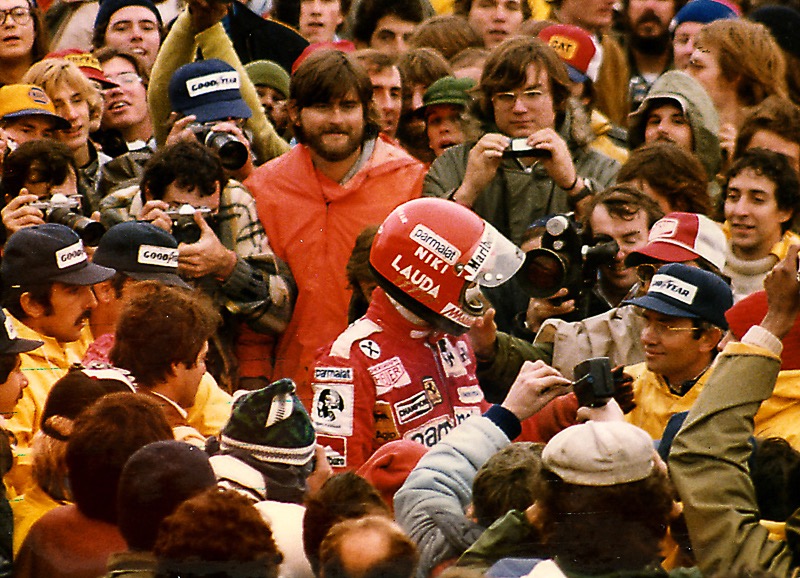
63, 209
594, 382
565, 259
184, 229
519, 147
233, 153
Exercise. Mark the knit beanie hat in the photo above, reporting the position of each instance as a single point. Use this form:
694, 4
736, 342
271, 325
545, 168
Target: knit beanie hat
271, 425
388, 468
268, 73
108, 7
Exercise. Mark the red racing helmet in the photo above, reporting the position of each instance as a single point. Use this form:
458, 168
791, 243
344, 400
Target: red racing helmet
430, 255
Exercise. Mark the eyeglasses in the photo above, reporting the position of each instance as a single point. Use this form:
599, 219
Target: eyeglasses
125, 78
660, 328
645, 272
529, 98
20, 15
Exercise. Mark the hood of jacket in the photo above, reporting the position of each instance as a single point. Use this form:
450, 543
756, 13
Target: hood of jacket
698, 108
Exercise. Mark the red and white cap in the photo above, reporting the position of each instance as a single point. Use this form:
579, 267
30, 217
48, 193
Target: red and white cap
680, 237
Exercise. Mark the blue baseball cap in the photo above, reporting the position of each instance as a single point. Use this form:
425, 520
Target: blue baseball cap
208, 89
683, 291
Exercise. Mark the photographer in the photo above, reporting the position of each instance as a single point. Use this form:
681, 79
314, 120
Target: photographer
524, 96
224, 248
33, 175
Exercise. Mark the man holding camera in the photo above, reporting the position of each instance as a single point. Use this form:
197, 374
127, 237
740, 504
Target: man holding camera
532, 165
223, 247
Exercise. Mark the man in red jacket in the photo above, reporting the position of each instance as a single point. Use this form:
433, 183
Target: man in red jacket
316, 199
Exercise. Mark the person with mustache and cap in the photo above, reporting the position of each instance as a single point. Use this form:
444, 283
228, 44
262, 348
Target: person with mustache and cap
47, 280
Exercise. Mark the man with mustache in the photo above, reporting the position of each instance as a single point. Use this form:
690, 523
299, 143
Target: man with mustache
314, 201
47, 295
649, 44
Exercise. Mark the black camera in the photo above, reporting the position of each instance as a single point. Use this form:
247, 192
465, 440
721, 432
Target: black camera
63, 209
519, 147
565, 259
231, 151
594, 383
184, 228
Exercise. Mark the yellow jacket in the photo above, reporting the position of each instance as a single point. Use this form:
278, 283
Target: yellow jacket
28, 508
655, 403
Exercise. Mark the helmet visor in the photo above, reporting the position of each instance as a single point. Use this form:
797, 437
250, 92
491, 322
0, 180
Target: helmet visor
494, 260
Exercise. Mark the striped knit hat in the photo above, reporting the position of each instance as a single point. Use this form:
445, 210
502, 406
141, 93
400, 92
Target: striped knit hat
271, 425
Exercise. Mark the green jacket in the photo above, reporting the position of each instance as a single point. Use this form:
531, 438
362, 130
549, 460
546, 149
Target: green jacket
708, 464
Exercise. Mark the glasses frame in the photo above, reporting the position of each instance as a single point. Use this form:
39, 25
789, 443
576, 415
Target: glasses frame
509, 99
22, 11
659, 327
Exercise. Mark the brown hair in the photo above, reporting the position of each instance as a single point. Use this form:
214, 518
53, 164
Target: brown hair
448, 34
774, 114
463, 7
329, 75
159, 327
507, 69
400, 558
106, 53
624, 202
673, 173
216, 529
746, 51
103, 437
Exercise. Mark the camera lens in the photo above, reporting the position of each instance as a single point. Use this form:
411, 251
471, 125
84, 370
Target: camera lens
88, 230
543, 273
232, 152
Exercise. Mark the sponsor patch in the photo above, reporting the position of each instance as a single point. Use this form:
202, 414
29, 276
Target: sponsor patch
431, 390
431, 433
480, 255
38, 95
663, 229
335, 450
564, 46
454, 313
388, 374
370, 348
332, 413
464, 413
10, 329
69, 256
280, 408
451, 359
340, 374
673, 287
161, 256
412, 408
470, 394
436, 244
212, 83
385, 428
463, 351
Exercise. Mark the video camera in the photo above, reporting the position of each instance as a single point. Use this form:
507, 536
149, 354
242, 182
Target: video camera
63, 209
565, 259
233, 153
184, 229
594, 383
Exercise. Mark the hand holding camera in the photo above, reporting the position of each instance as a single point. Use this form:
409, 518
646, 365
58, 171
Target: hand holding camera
26, 210
536, 385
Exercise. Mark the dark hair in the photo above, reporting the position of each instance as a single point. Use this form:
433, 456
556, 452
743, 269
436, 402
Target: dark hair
372, 60
775, 470
216, 530
41, 36
358, 270
329, 75
775, 167
369, 12
99, 32
161, 326
448, 34
188, 164
8, 362
463, 7
624, 202
49, 159
399, 561
103, 437
106, 53
288, 12
39, 293
774, 114
507, 481
507, 69
673, 173
603, 529
342, 496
